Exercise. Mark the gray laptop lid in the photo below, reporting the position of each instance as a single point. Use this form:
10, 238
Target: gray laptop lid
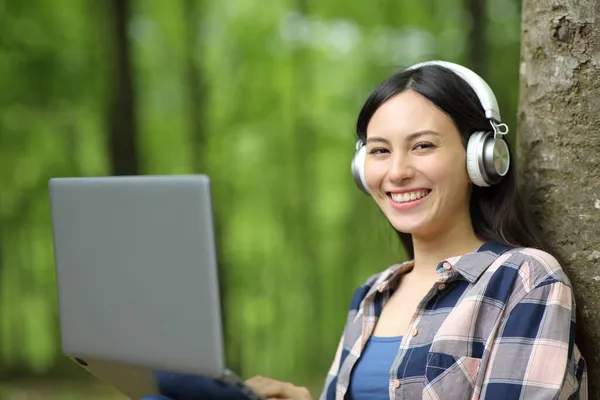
137, 273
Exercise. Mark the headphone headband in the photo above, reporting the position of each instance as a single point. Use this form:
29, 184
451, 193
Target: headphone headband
480, 87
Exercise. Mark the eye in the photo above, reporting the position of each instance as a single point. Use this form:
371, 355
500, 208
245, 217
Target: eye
378, 150
424, 146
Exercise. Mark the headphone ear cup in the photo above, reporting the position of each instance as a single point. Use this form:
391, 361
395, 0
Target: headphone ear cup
497, 159
475, 148
358, 169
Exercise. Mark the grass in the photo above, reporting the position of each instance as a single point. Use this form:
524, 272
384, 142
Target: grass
57, 390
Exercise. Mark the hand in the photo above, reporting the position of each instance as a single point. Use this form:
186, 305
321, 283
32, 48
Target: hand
272, 389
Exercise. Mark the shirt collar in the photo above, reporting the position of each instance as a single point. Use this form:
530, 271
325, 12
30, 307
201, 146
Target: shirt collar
472, 265
390, 276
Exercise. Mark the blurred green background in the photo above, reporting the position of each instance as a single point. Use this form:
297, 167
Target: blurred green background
262, 96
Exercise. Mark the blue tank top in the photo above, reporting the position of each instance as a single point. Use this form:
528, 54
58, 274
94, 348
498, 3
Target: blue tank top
370, 376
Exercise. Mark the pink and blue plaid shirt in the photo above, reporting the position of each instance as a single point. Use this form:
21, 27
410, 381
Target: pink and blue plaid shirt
499, 323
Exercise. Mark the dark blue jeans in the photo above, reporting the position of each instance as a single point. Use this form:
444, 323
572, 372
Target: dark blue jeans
189, 387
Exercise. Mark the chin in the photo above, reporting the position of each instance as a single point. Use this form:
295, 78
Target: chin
415, 223
410, 229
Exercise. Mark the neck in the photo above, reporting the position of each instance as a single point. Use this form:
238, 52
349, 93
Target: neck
431, 250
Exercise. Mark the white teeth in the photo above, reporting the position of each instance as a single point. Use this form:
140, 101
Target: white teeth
410, 196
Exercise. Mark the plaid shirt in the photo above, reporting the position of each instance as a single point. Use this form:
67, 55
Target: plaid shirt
499, 323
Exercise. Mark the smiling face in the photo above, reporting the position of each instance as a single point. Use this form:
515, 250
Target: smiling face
415, 166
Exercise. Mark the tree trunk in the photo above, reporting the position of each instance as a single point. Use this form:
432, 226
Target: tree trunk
302, 213
122, 132
194, 85
476, 43
559, 147
196, 95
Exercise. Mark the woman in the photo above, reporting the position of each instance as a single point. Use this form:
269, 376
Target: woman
481, 310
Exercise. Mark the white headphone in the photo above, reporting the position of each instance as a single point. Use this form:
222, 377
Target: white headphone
488, 157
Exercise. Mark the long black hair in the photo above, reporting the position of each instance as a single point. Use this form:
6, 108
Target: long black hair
497, 212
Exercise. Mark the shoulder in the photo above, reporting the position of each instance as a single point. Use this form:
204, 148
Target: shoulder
373, 282
361, 292
538, 278
536, 267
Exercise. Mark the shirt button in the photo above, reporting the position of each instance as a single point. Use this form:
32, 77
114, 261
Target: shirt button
396, 383
441, 286
415, 332
447, 265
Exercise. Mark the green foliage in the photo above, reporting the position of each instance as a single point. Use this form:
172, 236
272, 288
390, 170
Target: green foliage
278, 91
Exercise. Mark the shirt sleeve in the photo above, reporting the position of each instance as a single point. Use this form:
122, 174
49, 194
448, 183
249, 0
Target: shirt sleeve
328, 392
534, 355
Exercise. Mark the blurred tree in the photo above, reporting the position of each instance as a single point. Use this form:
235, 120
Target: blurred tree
195, 85
502, 48
476, 36
122, 129
559, 147
301, 213
194, 16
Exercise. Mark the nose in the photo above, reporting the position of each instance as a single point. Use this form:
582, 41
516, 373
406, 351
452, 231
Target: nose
401, 169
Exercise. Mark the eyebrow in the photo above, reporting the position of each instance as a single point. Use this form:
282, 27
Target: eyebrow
408, 138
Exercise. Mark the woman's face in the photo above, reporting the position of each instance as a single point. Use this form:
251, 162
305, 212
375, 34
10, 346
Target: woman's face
415, 166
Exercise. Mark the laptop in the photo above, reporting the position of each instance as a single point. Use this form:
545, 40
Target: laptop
138, 286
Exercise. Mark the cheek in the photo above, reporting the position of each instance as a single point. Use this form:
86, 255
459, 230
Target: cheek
452, 176
450, 172
374, 173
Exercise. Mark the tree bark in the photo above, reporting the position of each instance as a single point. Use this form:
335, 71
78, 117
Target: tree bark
476, 39
559, 147
122, 132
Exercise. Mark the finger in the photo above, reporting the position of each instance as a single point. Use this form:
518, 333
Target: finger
255, 380
257, 383
267, 387
284, 390
297, 393
303, 393
273, 389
